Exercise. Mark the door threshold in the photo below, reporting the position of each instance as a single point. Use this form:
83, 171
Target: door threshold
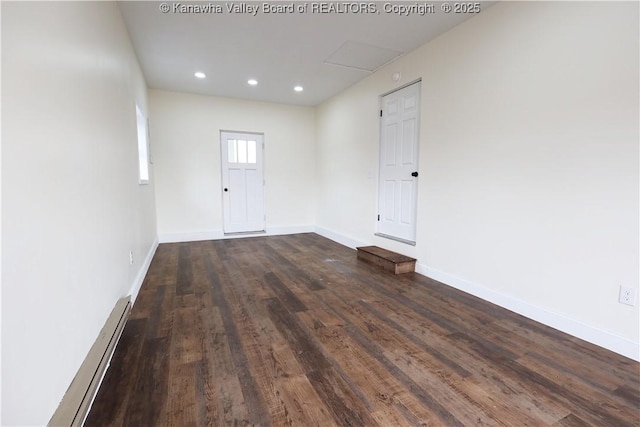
397, 239
246, 233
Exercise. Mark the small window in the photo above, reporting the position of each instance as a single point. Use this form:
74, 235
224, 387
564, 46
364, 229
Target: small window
233, 151
143, 146
242, 151
251, 152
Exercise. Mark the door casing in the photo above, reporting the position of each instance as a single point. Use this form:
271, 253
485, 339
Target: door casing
399, 153
243, 208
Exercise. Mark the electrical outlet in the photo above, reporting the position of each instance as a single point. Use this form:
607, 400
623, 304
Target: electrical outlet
627, 295
131, 257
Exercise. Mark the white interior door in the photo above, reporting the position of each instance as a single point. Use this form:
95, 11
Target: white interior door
398, 186
242, 182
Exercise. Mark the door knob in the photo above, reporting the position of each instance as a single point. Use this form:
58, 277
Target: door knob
226, 189
414, 173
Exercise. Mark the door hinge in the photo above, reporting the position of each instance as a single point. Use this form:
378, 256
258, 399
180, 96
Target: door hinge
378, 217
380, 113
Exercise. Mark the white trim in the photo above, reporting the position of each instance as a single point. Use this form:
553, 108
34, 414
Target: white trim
341, 238
397, 239
257, 209
137, 283
191, 236
381, 137
197, 236
281, 231
555, 320
418, 80
558, 321
133, 293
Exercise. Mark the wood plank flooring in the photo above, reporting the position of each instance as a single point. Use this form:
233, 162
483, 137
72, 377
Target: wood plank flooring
295, 331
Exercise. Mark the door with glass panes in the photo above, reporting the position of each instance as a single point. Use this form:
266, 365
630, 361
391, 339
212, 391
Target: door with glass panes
242, 182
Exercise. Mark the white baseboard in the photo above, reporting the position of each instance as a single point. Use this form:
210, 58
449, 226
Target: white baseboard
197, 236
341, 238
557, 321
191, 236
133, 294
137, 283
296, 229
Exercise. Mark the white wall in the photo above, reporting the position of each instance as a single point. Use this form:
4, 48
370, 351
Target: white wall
528, 162
528, 188
185, 133
72, 208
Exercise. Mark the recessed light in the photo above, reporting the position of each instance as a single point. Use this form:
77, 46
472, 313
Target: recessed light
200, 74
252, 82
298, 88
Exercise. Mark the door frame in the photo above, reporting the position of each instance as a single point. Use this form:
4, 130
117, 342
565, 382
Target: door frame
380, 134
261, 148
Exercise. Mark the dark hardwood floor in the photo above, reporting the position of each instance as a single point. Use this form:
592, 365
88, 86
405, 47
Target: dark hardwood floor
294, 330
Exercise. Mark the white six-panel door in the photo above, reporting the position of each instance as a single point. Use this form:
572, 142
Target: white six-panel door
398, 184
242, 182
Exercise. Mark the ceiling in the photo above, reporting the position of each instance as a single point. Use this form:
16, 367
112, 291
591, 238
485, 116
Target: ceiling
323, 50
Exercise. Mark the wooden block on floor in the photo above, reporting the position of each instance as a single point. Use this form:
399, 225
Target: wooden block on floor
390, 261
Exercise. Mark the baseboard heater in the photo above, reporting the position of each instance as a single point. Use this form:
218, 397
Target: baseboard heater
76, 402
